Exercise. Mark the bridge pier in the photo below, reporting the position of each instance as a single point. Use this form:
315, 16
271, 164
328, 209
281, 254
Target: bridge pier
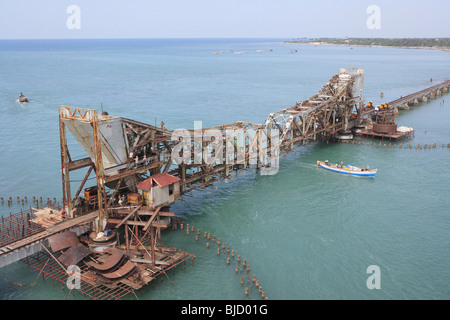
404, 106
422, 96
396, 112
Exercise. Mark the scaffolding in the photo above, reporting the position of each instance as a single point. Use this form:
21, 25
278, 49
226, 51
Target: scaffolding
21, 225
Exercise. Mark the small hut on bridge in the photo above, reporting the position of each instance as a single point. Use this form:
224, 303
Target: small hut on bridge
159, 190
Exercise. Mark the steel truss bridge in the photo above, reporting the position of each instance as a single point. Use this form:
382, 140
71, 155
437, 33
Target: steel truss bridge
123, 152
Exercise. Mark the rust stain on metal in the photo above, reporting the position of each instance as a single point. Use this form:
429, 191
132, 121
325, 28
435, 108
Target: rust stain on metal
126, 270
111, 263
74, 255
63, 240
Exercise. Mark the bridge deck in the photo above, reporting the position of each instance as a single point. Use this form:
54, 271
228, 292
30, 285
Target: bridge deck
29, 245
419, 94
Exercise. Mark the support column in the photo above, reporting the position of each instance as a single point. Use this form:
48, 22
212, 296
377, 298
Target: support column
183, 176
396, 112
101, 192
67, 198
292, 137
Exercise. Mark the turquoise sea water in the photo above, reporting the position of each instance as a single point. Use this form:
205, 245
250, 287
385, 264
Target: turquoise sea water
305, 232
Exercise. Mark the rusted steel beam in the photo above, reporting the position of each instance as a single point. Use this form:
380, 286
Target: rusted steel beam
155, 213
15, 229
67, 112
139, 223
100, 173
80, 163
127, 217
67, 203
133, 171
82, 183
161, 213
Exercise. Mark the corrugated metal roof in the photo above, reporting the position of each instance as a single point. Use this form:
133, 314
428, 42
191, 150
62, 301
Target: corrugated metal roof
161, 179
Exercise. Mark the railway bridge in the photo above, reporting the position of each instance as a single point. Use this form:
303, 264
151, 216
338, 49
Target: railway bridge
122, 152
126, 155
414, 99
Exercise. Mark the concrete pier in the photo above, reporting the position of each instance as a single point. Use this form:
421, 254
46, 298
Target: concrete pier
421, 96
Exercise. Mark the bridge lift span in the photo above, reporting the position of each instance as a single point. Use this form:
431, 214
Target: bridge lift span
123, 152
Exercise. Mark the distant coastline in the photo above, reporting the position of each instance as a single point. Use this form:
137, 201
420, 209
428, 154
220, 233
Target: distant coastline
406, 43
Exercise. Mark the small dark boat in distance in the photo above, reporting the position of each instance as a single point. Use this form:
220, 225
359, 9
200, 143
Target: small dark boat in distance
22, 98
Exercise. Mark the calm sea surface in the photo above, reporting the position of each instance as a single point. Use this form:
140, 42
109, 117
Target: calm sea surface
305, 232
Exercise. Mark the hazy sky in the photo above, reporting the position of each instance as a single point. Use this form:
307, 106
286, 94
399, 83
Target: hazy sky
31, 19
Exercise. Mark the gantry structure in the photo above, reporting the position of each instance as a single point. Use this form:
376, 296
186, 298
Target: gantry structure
123, 152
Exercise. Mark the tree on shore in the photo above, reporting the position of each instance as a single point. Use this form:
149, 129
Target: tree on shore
388, 42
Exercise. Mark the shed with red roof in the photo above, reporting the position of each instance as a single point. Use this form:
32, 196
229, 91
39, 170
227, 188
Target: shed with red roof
159, 190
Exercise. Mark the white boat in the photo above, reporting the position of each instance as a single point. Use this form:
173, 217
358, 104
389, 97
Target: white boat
347, 169
345, 135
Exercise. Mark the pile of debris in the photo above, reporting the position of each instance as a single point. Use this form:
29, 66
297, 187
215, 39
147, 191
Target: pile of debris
112, 272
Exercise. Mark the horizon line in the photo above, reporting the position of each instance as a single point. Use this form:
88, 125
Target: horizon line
224, 38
